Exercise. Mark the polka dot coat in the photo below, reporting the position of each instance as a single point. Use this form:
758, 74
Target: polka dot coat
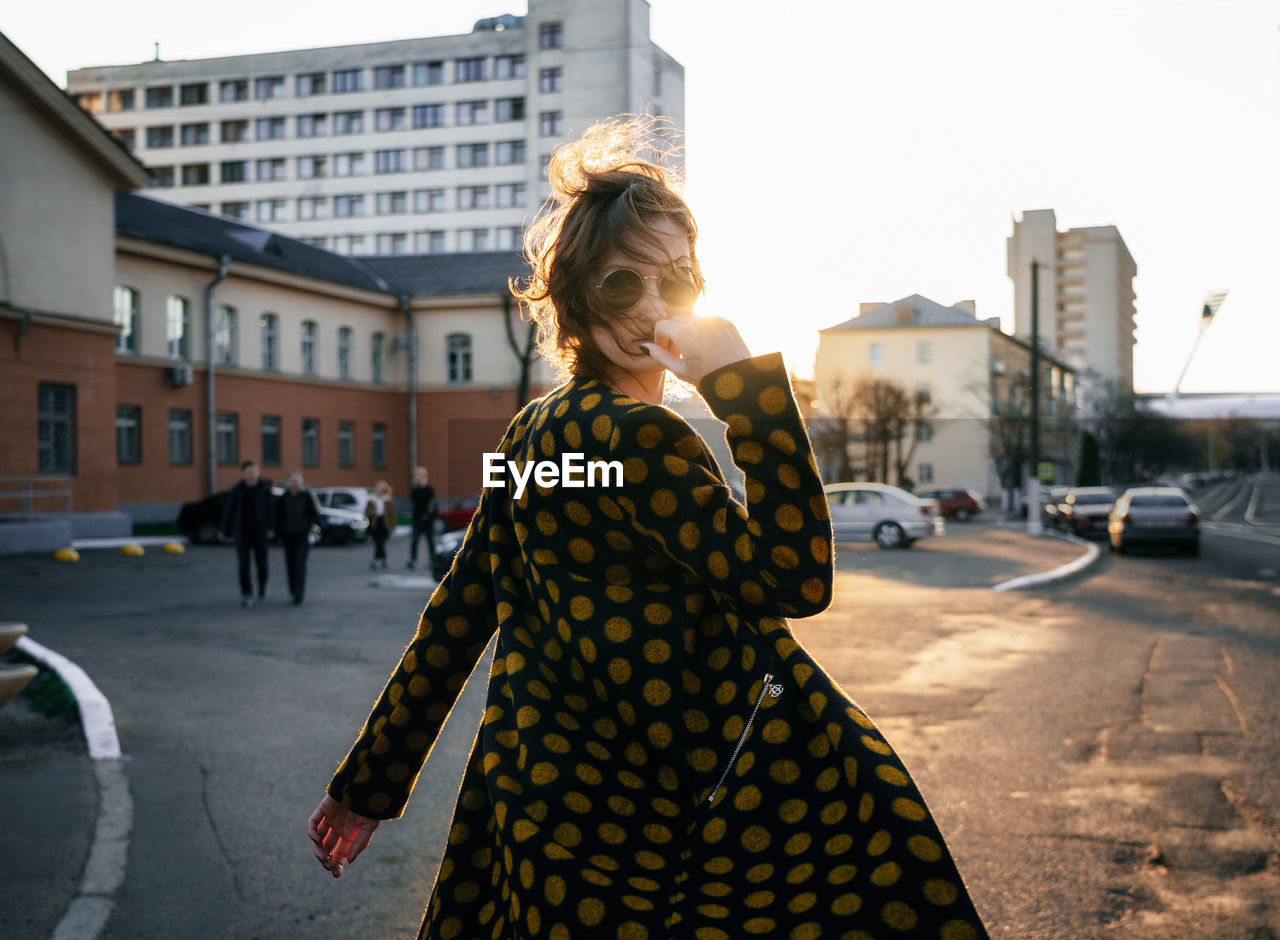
658, 756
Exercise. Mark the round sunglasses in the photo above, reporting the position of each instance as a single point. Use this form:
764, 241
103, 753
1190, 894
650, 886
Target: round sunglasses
622, 289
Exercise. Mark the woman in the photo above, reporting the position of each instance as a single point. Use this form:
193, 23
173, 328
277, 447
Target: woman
381, 513
659, 757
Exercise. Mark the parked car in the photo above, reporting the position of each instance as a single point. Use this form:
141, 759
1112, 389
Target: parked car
343, 497
201, 521
337, 526
1155, 515
891, 517
958, 504
1050, 499
1084, 510
457, 514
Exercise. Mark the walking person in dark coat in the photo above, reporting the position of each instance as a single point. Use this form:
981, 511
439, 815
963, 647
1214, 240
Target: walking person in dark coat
297, 509
425, 513
249, 519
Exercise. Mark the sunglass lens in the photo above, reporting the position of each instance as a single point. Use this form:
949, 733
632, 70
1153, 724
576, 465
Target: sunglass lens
678, 289
622, 289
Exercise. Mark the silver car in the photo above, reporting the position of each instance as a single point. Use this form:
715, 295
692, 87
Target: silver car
1155, 515
887, 515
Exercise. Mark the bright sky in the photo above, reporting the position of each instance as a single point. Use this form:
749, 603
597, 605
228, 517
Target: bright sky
842, 151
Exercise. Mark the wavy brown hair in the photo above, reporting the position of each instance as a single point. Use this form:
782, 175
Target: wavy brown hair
607, 189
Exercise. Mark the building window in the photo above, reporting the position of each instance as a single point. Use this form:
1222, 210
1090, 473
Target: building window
311, 442
388, 119
544, 164
428, 158
270, 210
924, 473
388, 76
379, 449
924, 432
269, 128
235, 132
235, 210
428, 115
377, 357
270, 441
180, 437
126, 318
309, 339
551, 123
344, 352
924, 394
309, 83
348, 122
269, 330
228, 438
347, 80
268, 87
508, 109
128, 434
178, 327
348, 206
473, 112
469, 70
473, 239
194, 135
235, 171
470, 155
473, 197
313, 207
57, 428
195, 174
127, 137
90, 101
161, 97
428, 200
428, 73
551, 80
348, 164
348, 244
347, 444
313, 168
194, 94
924, 352
550, 35
393, 203
429, 242
236, 89
508, 152
388, 161
393, 243
161, 177
458, 358
120, 99
508, 237
158, 137
273, 168
313, 125
224, 336
508, 66
877, 354
511, 195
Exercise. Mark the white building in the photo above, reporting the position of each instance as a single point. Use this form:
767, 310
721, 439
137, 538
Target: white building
415, 145
1086, 294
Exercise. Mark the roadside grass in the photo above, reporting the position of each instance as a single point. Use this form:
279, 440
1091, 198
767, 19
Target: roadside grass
46, 693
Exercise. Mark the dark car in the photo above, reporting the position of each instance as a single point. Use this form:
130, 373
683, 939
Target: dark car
958, 504
1155, 515
338, 525
446, 546
201, 521
1085, 509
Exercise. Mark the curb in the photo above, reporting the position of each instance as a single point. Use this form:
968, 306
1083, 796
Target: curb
121, 542
1091, 555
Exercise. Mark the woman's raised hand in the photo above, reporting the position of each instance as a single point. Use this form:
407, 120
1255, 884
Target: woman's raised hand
338, 835
696, 346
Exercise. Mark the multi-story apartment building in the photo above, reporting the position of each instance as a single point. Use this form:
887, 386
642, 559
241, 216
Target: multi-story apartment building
1086, 293
410, 146
973, 379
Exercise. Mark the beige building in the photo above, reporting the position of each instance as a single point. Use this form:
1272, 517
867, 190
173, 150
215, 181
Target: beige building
1086, 294
973, 377
411, 146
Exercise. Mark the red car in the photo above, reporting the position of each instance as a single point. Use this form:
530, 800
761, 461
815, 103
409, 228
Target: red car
457, 515
954, 503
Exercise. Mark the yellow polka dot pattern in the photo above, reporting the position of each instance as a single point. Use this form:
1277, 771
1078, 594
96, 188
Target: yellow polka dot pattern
635, 627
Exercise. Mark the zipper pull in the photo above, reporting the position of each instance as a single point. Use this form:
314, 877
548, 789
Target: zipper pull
773, 690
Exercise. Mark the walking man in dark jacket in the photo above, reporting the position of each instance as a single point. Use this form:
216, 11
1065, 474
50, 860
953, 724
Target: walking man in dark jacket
250, 519
297, 509
425, 511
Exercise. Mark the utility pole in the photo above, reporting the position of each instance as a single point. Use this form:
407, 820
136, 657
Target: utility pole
1034, 525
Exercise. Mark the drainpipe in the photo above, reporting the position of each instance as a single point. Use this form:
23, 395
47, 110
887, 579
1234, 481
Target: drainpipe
411, 331
211, 414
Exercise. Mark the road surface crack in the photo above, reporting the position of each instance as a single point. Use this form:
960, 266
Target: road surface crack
217, 836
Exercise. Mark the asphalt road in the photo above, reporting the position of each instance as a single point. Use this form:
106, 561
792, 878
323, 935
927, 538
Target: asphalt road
1102, 754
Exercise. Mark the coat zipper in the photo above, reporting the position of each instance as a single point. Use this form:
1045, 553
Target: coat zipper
766, 688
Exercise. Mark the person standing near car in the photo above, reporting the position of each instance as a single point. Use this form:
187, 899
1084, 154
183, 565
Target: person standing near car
381, 512
249, 519
425, 513
297, 510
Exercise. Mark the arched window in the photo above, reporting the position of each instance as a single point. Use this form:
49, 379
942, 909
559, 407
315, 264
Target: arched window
308, 347
269, 327
458, 358
344, 352
178, 327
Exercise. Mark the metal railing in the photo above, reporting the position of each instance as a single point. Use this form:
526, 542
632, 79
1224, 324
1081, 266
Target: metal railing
22, 492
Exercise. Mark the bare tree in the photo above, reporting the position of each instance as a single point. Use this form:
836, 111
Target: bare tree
885, 416
524, 353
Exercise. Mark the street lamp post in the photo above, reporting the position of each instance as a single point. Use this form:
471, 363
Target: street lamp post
1212, 302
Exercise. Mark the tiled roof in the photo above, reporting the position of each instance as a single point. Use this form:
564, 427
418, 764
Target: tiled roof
449, 274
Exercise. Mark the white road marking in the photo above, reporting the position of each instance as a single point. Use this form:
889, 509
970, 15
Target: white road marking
1225, 510
1055, 574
